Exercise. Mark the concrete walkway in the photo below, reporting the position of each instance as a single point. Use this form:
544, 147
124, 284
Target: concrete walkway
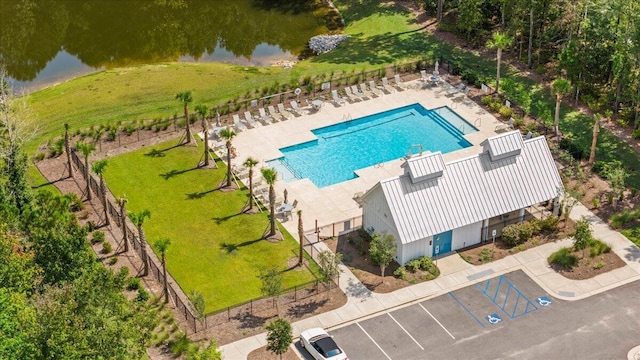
456, 273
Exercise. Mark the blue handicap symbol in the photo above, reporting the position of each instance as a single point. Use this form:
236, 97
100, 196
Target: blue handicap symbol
493, 318
543, 301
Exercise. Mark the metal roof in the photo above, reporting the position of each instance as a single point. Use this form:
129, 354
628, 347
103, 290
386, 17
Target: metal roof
471, 190
425, 167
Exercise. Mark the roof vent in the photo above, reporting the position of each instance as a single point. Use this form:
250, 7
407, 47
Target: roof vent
426, 167
504, 145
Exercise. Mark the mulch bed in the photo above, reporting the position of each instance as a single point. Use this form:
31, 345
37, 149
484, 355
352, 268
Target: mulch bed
586, 268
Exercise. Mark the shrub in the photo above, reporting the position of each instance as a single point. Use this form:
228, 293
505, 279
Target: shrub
511, 235
413, 264
97, 237
486, 100
143, 295
636, 133
634, 191
106, 247
495, 106
486, 255
113, 260
505, 112
595, 202
112, 135
133, 283
525, 231
39, 156
179, 345
598, 265
597, 247
518, 122
426, 263
76, 202
572, 148
401, 273
563, 258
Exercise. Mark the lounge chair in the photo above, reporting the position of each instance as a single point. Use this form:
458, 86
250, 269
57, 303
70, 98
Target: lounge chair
369, 93
376, 90
423, 76
239, 126
358, 93
507, 126
400, 85
387, 86
284, 112
466, 100
351, 96
248, 118
528, 136
297, 109
266, 119
275, 115
455, 90
337, 99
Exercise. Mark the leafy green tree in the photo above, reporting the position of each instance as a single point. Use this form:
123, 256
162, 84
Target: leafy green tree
270, 175
185, 98
470, 16
561, 87
162, 245
99, 168
18, 326
228, 134
382, 250
18, 269
279, 336
86, 149
198, 305
271, 286
329, 266
498, 41
250, 163
616, 176
57, 240
583, 235
138, 219
203, 111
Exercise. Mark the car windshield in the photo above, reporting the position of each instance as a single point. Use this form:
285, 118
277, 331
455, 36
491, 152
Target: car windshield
328, 347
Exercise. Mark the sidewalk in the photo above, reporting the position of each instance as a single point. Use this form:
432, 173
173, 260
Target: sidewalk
456, 273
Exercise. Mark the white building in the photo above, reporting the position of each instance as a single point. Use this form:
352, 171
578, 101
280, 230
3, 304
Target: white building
434, 208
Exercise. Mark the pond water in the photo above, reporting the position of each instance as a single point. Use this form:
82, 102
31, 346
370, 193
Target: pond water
47, 41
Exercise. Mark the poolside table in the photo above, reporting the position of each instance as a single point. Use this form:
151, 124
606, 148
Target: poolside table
317, 104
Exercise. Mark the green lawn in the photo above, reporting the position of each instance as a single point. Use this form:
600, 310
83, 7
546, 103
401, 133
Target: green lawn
215, 249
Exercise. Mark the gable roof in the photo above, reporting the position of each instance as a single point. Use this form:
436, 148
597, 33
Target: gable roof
502, 146
473, 189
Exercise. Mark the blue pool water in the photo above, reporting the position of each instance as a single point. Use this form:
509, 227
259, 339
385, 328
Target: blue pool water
342, 148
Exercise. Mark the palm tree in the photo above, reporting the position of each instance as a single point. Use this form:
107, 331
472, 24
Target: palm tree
185, 98
122, 202
250, 163
270, 175
500, 42
203, 111
67, 148
300, 235
228, 134
162, 245
561, 87
86, 149
98, 168
138, 219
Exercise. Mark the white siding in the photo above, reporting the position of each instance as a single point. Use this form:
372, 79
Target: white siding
466, 236
414, 250
377, 216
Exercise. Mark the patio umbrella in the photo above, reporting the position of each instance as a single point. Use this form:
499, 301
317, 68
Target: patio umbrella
437, 65
286, 194
217, 119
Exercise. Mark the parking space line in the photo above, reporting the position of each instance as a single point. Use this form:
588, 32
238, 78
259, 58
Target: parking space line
439, 323
370, 338
464, 307
405, 330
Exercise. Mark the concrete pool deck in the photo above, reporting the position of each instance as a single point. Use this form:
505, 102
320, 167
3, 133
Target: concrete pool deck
335, 203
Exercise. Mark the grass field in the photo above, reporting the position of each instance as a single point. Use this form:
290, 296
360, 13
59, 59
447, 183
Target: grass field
214, 249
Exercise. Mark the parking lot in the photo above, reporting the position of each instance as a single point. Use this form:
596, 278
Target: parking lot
506, 316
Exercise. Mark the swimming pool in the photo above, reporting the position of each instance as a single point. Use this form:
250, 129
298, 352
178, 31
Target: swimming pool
342, 148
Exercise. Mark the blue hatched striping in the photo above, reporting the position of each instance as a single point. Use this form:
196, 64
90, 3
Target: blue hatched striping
464, 307
514, 304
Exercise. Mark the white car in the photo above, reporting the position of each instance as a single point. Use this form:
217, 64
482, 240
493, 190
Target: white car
321, 345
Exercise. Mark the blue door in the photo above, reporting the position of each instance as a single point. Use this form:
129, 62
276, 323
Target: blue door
442, 243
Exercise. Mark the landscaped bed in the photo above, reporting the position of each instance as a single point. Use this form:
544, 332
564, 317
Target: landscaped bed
216, 249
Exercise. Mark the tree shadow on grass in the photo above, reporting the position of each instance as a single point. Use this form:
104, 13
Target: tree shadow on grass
231, 248
220, 220
159, 153
168, 175
299, 310
199, 195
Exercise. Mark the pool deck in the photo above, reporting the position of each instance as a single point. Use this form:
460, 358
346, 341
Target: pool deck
335, 203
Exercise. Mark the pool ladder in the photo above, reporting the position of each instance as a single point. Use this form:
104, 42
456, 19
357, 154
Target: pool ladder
410, 153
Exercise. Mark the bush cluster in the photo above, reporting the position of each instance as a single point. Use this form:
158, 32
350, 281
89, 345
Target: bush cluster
573, 148
97, 237
563, 258
516, 234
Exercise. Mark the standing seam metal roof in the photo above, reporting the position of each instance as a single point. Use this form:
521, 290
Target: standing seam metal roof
471, 190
